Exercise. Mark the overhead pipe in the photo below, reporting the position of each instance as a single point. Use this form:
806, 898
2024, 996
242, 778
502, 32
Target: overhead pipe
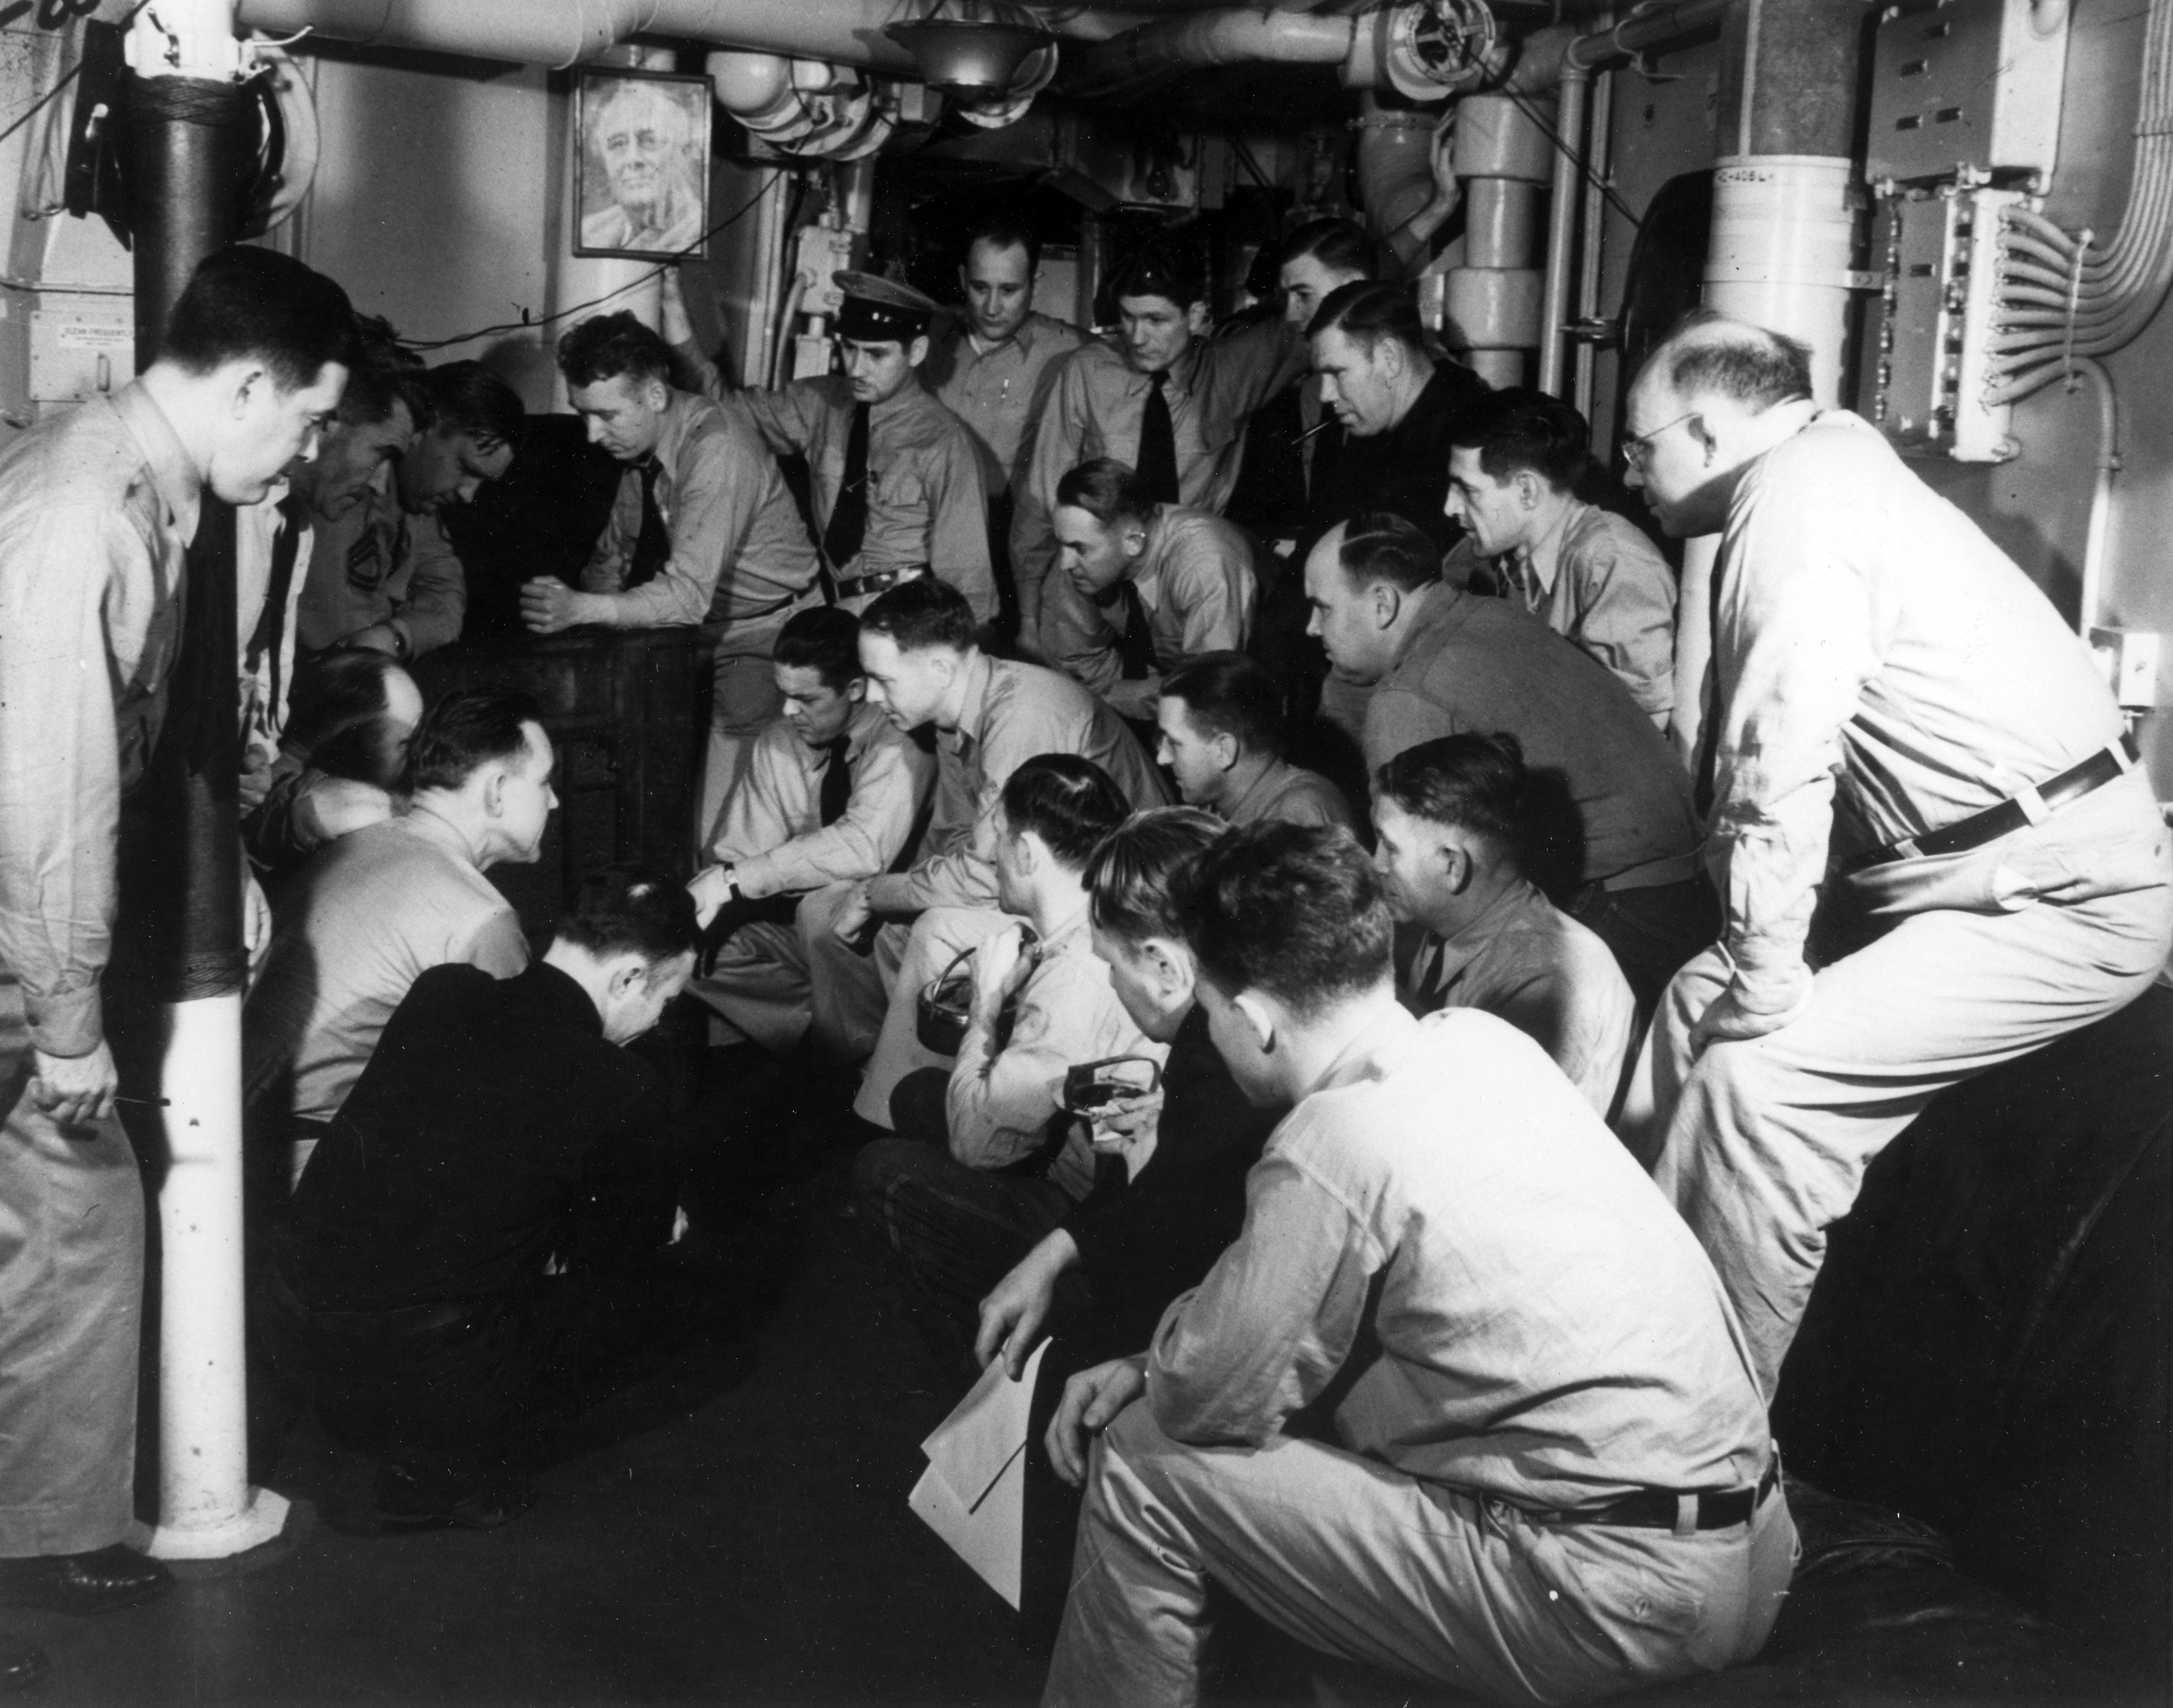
801, 107
1598, 163
1574, 91
1502, 154
1160, 50
191, 157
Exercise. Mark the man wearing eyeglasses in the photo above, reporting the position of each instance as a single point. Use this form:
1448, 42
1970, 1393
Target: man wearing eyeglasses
1903, 735
897, 481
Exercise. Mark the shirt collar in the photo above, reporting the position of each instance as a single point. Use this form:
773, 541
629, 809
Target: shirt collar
1542, 561
863, 731
1444, 608
1362, 1057
179, 486
974, 706
1183, 372
678, 421
1459, 952
1263, 784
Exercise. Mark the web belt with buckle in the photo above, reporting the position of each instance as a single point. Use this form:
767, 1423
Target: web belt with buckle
2030, 806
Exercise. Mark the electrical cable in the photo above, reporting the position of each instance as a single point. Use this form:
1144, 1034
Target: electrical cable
528, 324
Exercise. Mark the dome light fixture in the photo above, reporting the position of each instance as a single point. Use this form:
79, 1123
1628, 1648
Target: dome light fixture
973, 55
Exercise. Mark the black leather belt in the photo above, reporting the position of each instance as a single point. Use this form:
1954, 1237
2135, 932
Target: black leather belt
2011, 815
1663, 1509
881, 582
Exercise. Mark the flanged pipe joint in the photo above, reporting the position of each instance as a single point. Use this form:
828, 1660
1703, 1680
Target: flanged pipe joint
1491, 303
801, 107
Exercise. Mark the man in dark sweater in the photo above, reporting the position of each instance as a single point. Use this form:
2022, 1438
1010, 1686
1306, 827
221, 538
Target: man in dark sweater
1159, 1214
470, 1259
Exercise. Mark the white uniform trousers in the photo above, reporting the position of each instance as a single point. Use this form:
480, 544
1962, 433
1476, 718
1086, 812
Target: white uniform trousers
1992, 952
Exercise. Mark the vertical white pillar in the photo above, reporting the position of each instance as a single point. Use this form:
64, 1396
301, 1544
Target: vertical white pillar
207, 1508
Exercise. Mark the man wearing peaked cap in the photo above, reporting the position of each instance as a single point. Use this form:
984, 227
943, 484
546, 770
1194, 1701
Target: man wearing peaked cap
897, 484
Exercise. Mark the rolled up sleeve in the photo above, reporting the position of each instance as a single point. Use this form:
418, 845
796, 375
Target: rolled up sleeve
891, 781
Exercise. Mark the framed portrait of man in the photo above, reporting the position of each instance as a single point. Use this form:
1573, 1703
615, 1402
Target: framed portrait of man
642, 182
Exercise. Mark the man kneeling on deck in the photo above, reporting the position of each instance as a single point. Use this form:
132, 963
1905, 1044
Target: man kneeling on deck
1539, 1468
988, 1157
470, 1259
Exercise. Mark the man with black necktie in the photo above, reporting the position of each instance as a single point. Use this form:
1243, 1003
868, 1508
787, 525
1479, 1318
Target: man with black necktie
703, 531
1146, 587
831, 794
898, 482
1163, 395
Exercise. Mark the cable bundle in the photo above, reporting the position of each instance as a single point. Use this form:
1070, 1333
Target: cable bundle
2062, 296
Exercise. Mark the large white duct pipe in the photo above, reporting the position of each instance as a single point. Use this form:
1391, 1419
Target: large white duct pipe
800, 106
1783, 234
1503, 156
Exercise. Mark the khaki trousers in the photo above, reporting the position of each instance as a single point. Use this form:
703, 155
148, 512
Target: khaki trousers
71, 1311
760, 986
1987, 955
1360, 1561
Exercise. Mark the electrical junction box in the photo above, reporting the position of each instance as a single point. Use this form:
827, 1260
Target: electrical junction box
76, 353
824, 251
1965, 83
1934, 359
2129, 659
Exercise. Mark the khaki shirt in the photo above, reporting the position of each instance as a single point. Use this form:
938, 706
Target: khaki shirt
376, 564
1286, 793
1195, 582
1881, 670
1000, 393
1012, 712
1443, 1242
1099, 401
739, 549
771, 833
97, 508
1529, 963
1595, 579
927, 507
1004, 1094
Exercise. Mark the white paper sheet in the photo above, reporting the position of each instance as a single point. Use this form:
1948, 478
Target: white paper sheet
972, 1494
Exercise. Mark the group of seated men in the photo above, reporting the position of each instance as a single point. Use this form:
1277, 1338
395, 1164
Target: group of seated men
1373, 1321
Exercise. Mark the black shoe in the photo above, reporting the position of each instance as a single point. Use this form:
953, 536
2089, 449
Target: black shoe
84, 1583
407, 1504
21, 1666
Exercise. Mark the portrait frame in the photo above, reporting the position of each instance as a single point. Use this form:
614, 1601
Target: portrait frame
636, 199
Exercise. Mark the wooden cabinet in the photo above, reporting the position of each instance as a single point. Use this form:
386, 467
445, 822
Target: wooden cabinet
624, 710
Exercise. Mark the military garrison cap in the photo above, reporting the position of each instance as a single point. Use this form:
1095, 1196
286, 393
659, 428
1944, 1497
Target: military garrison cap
878, 309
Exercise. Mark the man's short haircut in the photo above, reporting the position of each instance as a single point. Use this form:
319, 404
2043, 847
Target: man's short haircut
1365, 311
1381, 546
922, 613
243, 304
336, 711
1069, 802
385, 373
1517, 429
628, 909
825, 639
1130, 882
1340, 245
1470, 781
1293, 910
1167, 265
1229, 694
465, 731
467, 398
1109, 491
603, 346
1706, 352
1002, 231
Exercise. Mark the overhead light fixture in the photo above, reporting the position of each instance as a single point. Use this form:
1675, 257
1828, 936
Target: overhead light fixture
976, 56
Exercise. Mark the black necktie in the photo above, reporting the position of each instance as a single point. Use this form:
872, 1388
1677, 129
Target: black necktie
1708, 765
1134, 643
836, 787
1157, 462
848, 516
652, 546
269, 638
